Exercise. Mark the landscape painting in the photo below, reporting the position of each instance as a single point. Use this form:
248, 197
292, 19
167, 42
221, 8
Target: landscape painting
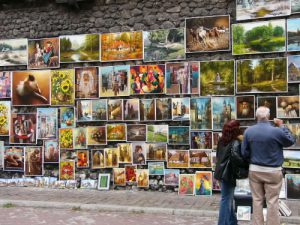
136, 132
99, 110
206, 34
115, 109
131, 109
293, 37
147, 109
295, 5
288, 106
261, 75
201, 114
246, 10
79, 48
178, 159
122, 46
43, 53
157, 133
294, 68
13, 52
200, 159
180, 109
116, 132
291, 159
156, 168
258, 37
163, 109
269, 102
164, 45
171, 177
84, 110
217, 77
245, 107
224, 110
292, 186
179, 135
156, 151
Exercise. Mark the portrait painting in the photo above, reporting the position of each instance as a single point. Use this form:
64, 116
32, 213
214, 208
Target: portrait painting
62, 87
66, 138
103, 181
5, 113
258, 37
245, 107
147, 79
179, 135
131, 109
79, 48
130, 172
217, 77
224, 110
291, 159
97, 158
67, 170
139, 153
142, 178
207, 34
292, 186
96, 135
14, 52
33, 161
147, 109
295, 130
114, 81
294, 69
31, 88
288, 106
203, 183
171, 177
182, 78
178, 158
43, 53
164, 45
83, 159
269, 102
84, 110
246, 10
116, 132
186, 184
156, 151
23, 129
125, 152
122, 46
201, 140
51, 151
5, 84
115, 109
163, 109
80, 138
99, 110
119, 176
157, 133
87, 81
13, 158
201, 113
180, 109
67, 117
200, 159
111, 157
47, 123
156, 168
136, 132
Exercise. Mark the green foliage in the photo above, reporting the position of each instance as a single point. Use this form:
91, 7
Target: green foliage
8, 205
238, 34
175, 35
151, 128
91, 42
278, 31
158, 36
65, 44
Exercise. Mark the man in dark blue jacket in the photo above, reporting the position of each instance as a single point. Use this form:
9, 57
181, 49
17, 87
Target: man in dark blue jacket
263, 146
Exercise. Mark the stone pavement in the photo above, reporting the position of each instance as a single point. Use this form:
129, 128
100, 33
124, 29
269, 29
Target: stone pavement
124, 201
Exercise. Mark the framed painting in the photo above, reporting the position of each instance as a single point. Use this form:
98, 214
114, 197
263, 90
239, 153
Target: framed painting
103, 181
119, 177
245, 107
83, 159
13, 158
157, 133
87, 82
293, 34
156, 151
178, 158
31, 88
224, 110
267, 75
201, 113
262, 9
186, 184
164, 45
217, 77
258, 37
43, 53
62, 87
47, 123
163, 109
97, 158
130, 172
269, 102
122, 46
207, 34
147, 109
292, 186
80, 138
295, 130
243, 213
291, 159
34, 161
115, 109
142, 178
139, 153
203, 183
136, 132
84, 110
171, 177
125, 152
67, 117
67, 170
179, 135
156, 168
5, 113
111, 157
180, 109
88, 184
99, 110
14, 52
66, 138
51, 151
294, 68
116, 132
288, 106
23, 128
201, 140
216, 138
79, 48
131, 109
147, 79
200, 159
96, 135
67, 154
5, 84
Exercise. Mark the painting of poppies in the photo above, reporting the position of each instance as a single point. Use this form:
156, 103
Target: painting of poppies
186, 184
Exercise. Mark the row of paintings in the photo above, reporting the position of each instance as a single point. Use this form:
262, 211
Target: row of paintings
202, 34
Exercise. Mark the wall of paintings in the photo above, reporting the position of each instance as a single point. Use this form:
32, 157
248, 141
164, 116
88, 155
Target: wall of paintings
145, 108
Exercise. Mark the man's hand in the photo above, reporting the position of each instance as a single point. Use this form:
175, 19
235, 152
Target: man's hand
278, 122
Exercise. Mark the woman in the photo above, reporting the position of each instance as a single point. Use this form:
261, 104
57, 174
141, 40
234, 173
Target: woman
226, 169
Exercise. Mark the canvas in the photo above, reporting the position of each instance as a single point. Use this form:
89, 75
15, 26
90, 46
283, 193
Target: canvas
83, 159
186, 184
147, 79
294, 68
224, 110
80, 138
111, 157
180, 109
86, 80
201, 113
116, 132
258, 37
136, 132
163, 109
13, 159
142, 178
47, 123
216, 138
125, 152
245, 107
5, 117
244, 213
156, 151
66, 138
177, 158
246, 10
115, 109
62, 87
157, 133
139, 153
295, 130
67, 170
293, 34
291, 159
51, 151
131, 109
33, 161
206, 34
103, 181
269, 102
67, 117
31, 88
99, 110
203, 183
13, 52
147, 109
88, 184
79, 48
122, 46
288, 106
96, 135
164, 45
261, 75
5, 84
179, 135
119, 176
97, 158
201, 140
200, 159
130, 172
43, 53
84, 110
67, 154
295, 6
171, 177
292, 186
156, 168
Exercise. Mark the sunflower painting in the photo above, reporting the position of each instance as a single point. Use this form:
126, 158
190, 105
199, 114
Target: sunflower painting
4, 117
62, 87
66, 138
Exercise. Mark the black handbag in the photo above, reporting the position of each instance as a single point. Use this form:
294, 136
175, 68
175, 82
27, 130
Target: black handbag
223, 170
240, 167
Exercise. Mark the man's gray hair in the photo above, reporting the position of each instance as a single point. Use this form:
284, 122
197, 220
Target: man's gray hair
262, 113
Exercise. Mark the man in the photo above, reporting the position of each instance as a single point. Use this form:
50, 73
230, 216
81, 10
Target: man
262, 147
